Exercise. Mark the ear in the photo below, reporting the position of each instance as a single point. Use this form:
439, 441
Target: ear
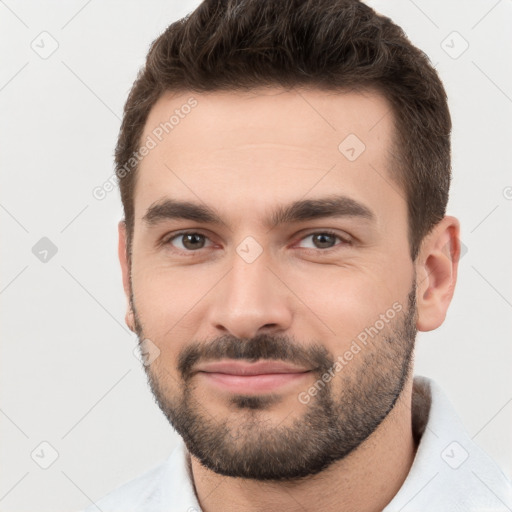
436, 273
125, 269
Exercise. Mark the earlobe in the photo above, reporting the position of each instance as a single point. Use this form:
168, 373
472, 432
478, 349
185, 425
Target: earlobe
129, 319
436, 271
125, 270
123, 258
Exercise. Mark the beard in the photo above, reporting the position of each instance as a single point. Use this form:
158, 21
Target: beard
334, 422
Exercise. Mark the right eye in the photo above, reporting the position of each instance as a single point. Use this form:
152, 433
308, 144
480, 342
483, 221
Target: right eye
189, 241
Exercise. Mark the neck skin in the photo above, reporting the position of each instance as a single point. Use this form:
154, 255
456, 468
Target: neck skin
365, 481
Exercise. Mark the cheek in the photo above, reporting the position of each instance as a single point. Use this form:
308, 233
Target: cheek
343, 302
166, 299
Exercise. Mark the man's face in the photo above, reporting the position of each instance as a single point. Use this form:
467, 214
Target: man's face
332, 297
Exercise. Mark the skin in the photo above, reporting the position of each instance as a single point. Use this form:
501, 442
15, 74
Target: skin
243, 154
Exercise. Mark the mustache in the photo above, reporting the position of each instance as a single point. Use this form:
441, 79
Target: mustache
264, 346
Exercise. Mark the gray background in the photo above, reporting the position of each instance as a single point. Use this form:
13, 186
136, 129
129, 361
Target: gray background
68, 373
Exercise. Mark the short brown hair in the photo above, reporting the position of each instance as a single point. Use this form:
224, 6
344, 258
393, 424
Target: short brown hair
328, 44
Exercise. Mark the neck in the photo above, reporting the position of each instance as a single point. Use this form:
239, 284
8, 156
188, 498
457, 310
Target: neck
366, 480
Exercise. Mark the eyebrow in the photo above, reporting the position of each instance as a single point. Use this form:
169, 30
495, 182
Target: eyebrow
302, 210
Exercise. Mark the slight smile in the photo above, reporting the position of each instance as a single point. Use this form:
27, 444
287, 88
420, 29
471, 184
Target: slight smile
252, 378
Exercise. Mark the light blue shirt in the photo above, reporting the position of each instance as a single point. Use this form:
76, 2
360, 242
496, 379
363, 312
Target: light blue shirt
450, 473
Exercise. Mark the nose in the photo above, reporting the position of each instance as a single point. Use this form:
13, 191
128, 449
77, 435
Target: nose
249, 299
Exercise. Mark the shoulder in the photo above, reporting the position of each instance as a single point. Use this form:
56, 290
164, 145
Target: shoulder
140, 493
166, 487
450, 471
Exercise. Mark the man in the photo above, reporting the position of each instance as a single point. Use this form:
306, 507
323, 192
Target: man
284, 169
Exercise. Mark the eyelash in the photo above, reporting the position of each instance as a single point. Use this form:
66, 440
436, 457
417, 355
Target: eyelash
344, 242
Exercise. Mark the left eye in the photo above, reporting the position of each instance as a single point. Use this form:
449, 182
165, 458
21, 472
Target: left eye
323, 239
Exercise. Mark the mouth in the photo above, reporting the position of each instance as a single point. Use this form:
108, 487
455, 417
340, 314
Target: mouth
251, 378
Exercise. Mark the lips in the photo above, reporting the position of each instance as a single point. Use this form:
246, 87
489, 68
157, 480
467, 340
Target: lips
242, 368
241, 377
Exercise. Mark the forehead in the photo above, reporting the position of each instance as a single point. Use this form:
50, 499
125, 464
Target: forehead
266, 145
